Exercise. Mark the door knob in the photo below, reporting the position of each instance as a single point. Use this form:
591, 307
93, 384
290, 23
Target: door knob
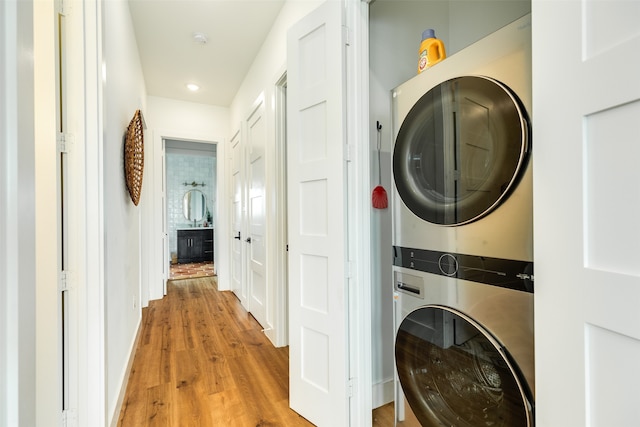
238, 236
248, 240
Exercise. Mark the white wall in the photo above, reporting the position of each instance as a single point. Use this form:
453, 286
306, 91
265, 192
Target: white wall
395, 30
17, 216
6, 58
187, 117
124, 93
471, 19
186, 121
48, 356
269, 64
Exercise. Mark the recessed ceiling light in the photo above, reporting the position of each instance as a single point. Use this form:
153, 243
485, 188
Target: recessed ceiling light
193, 87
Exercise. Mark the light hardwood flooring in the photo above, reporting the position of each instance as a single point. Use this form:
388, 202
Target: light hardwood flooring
202, 360
384, 416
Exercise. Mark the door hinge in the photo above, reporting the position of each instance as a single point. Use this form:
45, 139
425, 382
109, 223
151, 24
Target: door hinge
64, 7
64, 141
346, 35
69, 418
64, 281
348, 152
351, 387
348, 269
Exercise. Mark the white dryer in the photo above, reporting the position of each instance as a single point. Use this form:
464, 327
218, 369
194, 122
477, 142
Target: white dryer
463, 237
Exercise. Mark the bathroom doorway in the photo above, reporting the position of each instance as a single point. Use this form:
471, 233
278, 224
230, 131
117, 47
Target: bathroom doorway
190, 208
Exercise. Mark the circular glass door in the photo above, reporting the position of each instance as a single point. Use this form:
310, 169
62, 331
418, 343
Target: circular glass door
453, 373
460, 150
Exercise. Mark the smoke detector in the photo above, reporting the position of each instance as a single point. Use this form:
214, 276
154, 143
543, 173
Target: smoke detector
200, 38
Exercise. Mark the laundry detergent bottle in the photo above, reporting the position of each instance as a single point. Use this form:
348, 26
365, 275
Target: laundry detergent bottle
431, 50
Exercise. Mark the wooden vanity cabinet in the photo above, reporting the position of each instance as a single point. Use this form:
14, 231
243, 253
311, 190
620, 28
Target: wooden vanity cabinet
195, 245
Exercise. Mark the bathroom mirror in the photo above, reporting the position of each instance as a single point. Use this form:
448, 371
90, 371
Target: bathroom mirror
194, 205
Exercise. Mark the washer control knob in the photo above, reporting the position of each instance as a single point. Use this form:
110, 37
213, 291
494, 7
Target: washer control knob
448, 265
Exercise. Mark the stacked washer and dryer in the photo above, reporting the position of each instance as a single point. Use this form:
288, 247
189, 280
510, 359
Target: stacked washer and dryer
463, 238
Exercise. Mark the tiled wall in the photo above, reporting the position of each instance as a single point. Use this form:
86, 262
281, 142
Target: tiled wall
183, 168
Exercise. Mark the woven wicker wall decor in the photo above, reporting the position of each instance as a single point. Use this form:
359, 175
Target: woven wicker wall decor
134, 157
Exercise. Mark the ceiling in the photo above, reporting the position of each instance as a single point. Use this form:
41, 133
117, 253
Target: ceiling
171, 57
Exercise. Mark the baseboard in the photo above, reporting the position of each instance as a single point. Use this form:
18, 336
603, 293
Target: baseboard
382, 393
115, 414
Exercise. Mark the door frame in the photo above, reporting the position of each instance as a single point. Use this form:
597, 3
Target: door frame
83, 106
280, 246
157, 283
359, 221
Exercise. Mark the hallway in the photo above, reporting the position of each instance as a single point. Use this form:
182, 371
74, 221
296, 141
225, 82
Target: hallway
202, 360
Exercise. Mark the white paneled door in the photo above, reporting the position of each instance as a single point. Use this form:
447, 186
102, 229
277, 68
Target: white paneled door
318, 353
256, 215
586, 81
238, 282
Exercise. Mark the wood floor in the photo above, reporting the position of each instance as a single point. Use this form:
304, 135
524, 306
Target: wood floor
202, 360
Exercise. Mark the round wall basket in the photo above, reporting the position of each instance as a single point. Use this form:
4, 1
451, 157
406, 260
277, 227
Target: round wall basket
134, 157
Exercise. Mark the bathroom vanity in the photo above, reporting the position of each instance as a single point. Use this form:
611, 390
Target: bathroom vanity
195, 245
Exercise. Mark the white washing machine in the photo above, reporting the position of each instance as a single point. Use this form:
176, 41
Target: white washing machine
463, 237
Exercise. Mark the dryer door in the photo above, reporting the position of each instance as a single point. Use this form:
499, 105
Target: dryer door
454, 373
460, 150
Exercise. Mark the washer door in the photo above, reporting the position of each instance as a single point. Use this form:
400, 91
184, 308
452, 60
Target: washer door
454, 373
460, 150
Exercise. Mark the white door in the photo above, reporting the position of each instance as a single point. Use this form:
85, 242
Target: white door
256, 215
586, 149
318, 353
238, 284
